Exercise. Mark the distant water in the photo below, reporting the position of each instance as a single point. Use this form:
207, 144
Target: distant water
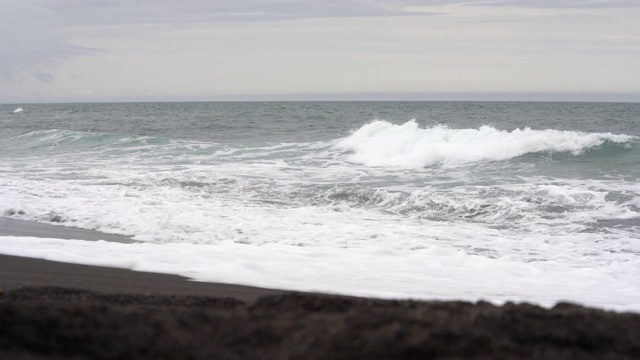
499, 201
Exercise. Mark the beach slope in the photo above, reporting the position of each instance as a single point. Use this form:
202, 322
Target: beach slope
53, 310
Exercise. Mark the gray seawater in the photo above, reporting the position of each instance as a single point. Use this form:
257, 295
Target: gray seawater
548, 192
302, 133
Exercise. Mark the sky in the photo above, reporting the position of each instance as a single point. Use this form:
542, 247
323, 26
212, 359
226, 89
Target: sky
160, 50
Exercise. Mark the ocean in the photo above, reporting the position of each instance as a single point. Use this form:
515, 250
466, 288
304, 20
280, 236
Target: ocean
494, 201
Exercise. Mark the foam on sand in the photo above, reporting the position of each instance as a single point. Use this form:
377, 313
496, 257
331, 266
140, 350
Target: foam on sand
377, 271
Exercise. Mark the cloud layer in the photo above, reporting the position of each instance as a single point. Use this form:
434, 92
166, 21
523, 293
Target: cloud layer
29, 32
29, 38
218, 48
30, 35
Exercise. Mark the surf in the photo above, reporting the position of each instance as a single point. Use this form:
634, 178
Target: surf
381, 143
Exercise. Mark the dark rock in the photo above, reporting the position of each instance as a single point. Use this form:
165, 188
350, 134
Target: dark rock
60, 323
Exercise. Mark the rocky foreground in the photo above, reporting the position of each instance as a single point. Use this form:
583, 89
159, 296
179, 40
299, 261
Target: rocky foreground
62, 323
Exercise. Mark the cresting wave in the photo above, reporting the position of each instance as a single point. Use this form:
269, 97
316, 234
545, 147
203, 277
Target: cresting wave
378, 143
381, 143
295, 176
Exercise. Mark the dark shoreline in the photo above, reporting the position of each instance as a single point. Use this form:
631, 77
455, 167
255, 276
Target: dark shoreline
16, 227
54, 310
18, 272
65, 323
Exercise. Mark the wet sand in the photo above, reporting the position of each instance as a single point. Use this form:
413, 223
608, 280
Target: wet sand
15, 227
52, 310
17, 272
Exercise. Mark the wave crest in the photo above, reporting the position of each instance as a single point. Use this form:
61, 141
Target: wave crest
381, 143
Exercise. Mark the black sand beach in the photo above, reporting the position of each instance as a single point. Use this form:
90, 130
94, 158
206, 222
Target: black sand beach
14, 227
51, 310
17, 272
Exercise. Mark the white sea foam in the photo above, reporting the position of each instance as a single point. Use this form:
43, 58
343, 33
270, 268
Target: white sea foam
381, 143
298, 216
432, 272
18, 110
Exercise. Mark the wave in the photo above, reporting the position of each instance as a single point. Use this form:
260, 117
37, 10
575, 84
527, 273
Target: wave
493, 204
381, 143
378, 143
542, 201
69, 141
117, 149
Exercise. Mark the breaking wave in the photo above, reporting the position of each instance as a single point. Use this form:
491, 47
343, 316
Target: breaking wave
381, 143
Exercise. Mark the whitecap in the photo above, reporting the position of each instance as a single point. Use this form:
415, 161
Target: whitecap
381, 143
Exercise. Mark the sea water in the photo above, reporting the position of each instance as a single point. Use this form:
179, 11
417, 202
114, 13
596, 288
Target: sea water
496, 201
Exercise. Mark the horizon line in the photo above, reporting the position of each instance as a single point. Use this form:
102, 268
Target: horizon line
361, 96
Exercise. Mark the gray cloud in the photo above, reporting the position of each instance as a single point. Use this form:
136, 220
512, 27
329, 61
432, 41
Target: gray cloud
99, 12
43, 76
29, 38
592, 4
32, 44
29, 41
563, 4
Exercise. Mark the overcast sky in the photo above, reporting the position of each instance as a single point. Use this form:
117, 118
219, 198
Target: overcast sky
131, 50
